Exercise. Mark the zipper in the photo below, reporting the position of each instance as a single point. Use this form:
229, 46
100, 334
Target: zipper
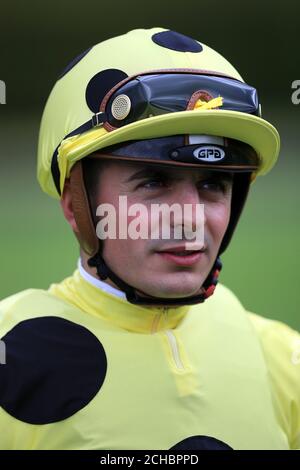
174, 348
170, 337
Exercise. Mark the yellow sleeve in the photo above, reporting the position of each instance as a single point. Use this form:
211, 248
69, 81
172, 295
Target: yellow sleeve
281, 347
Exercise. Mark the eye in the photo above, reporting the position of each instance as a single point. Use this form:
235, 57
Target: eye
215, 185
152, 183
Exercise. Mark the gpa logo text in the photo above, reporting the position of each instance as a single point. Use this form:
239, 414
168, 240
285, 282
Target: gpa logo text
209, 153
296, 94
2, 92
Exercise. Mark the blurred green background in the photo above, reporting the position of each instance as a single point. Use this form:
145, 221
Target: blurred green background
38, 39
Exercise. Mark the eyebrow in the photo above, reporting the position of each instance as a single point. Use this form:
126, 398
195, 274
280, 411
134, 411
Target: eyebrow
154, 172
146, 173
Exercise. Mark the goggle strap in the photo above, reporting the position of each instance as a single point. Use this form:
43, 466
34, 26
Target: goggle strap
97, 120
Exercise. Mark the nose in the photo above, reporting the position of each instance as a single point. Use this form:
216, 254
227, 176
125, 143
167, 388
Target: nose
186, 194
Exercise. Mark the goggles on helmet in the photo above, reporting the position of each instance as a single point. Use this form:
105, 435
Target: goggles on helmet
151, 95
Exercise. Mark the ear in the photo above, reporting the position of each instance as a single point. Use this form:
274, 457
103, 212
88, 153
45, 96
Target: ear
67, 207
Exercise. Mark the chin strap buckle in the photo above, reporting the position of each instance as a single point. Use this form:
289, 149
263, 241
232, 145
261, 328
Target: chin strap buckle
213, 279
98, 119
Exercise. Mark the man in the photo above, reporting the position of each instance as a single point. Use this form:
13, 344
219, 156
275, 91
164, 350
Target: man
139, 349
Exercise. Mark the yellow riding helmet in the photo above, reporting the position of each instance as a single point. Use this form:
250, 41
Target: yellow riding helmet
148, 83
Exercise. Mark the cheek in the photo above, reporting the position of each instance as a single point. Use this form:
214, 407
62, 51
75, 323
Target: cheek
128, 248
134, 220
217, 218
125, 256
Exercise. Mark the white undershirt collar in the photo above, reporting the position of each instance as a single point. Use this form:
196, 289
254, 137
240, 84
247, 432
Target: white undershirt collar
97, 283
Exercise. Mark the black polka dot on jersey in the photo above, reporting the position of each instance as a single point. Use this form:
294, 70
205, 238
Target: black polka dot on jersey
54, 368
100, 84
201, 443
74, 62
176, 41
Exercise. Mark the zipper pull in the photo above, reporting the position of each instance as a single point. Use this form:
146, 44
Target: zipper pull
163, 314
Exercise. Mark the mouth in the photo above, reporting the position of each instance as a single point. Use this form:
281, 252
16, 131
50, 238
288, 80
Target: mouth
181, 256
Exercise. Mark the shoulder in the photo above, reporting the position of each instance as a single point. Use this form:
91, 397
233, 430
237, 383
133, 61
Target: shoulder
47, 347
25, 297
279, 341
281, 347
29, 303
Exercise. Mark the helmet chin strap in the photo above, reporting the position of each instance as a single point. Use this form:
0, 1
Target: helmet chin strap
208, 287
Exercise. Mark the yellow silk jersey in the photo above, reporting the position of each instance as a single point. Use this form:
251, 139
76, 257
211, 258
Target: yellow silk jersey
85, 369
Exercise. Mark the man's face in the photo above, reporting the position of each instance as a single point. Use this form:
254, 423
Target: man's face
145, 263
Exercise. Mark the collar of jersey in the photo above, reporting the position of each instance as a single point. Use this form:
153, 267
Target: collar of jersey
116, 310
